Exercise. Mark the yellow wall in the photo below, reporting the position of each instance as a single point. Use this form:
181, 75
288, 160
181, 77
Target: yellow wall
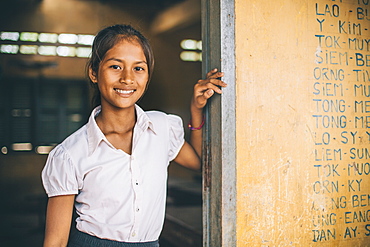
301, 123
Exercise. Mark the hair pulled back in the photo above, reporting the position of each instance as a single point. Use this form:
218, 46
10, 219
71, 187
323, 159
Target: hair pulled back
105, 40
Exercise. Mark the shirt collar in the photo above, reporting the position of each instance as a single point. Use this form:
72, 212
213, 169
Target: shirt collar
95, 135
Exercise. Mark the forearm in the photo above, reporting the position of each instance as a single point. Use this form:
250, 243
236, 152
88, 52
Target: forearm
191, 153
196, 135
58, 220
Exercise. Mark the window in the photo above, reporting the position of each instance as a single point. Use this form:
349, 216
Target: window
37, 115
46, 44
192, 50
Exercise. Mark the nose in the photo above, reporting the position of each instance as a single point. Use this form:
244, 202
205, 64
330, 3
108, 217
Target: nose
127, 77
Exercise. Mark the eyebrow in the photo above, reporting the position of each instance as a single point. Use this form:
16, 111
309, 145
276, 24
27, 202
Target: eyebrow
120, 60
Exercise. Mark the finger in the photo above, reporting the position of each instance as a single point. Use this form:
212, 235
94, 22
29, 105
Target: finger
217, 82
201, 100
211, 72
216, 75
208, 94
206, 83
203, 89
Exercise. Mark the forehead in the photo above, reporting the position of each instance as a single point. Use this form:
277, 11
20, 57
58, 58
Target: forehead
126, 48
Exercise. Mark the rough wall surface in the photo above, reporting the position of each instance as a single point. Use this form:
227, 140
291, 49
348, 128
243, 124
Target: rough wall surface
303, 82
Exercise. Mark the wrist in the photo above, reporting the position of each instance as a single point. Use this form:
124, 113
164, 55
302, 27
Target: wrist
197, 126
194, 110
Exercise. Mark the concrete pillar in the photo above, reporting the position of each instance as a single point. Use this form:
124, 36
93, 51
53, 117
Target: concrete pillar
219, 197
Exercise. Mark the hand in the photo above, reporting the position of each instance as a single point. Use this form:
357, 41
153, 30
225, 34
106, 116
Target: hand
205, 88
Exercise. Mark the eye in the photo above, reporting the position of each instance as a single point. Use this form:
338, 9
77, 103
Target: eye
139, 68
115, 67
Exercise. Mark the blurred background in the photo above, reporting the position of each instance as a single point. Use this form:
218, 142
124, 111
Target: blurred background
45, 96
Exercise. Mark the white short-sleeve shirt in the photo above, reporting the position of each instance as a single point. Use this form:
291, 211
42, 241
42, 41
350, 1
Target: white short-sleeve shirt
118, 196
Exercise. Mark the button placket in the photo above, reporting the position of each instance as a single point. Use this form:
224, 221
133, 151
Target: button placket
137, 200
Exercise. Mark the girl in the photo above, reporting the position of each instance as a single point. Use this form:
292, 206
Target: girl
114, 169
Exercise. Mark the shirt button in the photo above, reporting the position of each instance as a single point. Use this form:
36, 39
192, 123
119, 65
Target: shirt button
137, 209
133, 234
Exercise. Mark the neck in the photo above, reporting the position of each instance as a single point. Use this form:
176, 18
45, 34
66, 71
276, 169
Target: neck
116, 120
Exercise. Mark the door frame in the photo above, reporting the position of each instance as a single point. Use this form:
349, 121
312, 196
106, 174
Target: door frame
219, 147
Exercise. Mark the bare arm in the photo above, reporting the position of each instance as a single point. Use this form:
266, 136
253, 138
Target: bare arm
190, 153
58, 220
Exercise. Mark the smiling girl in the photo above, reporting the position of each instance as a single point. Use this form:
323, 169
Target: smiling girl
113, 170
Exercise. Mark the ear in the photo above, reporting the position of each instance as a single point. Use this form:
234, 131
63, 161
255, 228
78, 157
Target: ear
92, 76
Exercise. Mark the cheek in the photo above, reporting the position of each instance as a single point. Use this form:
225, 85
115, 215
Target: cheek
106, 79
145, 86
143, 80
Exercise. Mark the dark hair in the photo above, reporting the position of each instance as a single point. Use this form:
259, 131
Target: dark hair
105, 40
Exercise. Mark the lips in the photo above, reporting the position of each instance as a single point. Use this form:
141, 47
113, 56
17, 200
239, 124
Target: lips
122, 91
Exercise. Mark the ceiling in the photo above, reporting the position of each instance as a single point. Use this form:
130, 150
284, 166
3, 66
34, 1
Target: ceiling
165, 15
155, 5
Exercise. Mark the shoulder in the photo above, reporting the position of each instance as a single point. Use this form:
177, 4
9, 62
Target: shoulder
74, 144
162, 116
162, 120
166, 123
155, 114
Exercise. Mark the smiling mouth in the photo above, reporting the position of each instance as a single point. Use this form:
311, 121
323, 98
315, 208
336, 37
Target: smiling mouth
124, 91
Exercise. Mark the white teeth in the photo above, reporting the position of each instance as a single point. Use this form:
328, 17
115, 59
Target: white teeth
124, 91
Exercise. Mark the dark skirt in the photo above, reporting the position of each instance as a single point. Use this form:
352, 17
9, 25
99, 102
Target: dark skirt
81, 239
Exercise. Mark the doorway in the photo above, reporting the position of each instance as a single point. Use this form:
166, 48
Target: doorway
40, 118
